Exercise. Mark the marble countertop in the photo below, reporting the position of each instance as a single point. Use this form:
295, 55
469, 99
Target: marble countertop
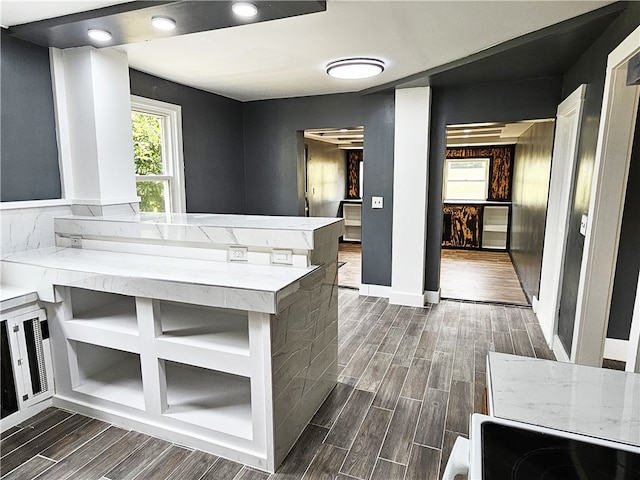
11, 296
592, 401
247, 230
225, 284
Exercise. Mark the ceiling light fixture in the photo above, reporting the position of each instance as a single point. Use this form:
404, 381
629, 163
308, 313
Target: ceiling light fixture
163, 23
244, 9
99, 35
355, 68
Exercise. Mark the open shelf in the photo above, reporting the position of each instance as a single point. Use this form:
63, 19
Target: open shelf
204, 327
106, 311
209, 399
495, 227
109, 374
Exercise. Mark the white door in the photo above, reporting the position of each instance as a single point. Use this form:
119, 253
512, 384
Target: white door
609, 185
565, 155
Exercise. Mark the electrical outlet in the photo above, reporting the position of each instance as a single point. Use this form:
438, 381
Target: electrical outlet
76, 241
238, 254
282, 257
376, 202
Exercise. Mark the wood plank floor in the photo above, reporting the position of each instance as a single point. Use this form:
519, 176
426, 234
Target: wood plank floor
409, 379
349, 274
481, 276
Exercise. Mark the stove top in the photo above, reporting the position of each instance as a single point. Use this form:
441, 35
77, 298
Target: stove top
511, 452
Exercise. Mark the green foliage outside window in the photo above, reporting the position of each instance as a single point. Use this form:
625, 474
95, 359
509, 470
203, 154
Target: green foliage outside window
147, 151
147, 144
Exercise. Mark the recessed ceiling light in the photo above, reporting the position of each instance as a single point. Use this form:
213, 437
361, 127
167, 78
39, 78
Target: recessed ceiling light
244, 9
355, 68
99, 35
163, 23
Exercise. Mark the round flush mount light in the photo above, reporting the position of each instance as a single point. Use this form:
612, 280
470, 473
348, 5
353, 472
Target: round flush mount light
163, 23
355, 68
99, 35
244, 9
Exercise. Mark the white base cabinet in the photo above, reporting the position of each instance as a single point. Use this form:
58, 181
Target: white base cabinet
201, 376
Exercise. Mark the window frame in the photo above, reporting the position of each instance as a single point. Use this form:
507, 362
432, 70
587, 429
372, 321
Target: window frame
172, 154
485, 160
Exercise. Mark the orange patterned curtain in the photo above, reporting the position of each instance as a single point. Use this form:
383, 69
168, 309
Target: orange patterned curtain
353, 173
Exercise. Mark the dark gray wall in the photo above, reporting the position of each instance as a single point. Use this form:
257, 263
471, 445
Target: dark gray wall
590, 70
532, 167
503, 102
326, 178
29, 152
628, 264
212, 143
274, 152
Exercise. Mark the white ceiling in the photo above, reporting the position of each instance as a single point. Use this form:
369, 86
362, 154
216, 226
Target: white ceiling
287, 57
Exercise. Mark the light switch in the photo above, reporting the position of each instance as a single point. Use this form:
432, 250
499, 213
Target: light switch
583, 225
282, 257
376, 202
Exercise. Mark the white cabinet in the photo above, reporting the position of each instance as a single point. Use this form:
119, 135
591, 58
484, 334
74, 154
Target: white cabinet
196, 370
495, 227
352, 213
27, 374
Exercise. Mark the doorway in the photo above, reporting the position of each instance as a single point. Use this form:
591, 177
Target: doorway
334, 172
495, 186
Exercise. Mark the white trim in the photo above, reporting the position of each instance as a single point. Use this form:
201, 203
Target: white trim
410, 185
610, 173
375, 290
559, 351
105, 202
615, 349
563, 164
61, 113
432, 297
172, 135
34, 204
408, 299
633, 351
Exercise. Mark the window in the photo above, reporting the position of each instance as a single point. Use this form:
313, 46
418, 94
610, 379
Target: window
466, 179
157, 147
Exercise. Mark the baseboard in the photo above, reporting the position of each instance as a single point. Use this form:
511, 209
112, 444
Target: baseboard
559, 351
615, 349
431, 296
408, 299
375, 290
534, 304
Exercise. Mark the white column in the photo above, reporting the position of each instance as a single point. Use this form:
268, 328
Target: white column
93, 110
410, 180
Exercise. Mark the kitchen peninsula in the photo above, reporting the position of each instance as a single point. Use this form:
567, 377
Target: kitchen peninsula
215, 331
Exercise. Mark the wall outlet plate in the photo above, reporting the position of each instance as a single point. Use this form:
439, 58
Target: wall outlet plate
282, 257
376, 202
238, 254
76, 241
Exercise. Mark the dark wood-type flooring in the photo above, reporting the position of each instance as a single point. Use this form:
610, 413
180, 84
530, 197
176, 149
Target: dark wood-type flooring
409, 379
479, 275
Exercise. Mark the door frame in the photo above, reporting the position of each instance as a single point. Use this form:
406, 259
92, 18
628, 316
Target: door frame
563, 164
608, 191
633, 350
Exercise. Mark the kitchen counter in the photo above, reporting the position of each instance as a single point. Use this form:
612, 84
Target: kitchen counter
13, 297
592, 401
158, 326
218, 284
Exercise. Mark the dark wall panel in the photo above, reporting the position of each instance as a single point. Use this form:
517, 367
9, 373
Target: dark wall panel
274, 152
29, 155
212, 143
590, 70
504, 102
628, 264
529, 209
